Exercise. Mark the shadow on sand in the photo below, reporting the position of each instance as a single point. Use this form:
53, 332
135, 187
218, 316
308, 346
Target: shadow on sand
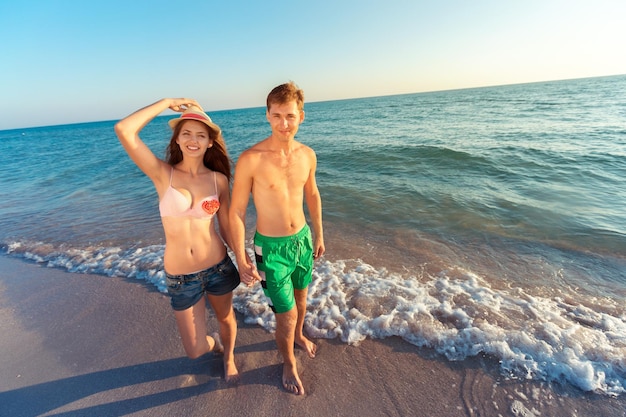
179, 378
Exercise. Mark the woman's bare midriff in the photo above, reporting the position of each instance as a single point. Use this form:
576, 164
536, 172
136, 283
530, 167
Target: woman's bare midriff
191, 245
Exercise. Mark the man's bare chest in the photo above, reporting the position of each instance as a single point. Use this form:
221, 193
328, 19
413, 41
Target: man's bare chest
282, 176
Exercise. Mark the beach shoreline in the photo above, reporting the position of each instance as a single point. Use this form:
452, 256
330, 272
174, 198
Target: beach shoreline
80, 344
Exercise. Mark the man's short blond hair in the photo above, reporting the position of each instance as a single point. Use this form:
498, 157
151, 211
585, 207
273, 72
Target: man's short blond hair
285, 93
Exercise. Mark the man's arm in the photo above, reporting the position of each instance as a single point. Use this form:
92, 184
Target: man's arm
314, 204
242, 186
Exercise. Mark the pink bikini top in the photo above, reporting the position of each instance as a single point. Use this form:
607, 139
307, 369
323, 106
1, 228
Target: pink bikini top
176, 204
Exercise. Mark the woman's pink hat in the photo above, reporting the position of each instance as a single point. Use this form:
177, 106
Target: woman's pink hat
194, 113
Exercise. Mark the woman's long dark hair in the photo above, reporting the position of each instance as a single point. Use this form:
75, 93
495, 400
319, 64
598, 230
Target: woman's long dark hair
215, 158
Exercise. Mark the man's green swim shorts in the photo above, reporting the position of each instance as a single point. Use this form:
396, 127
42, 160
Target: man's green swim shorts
285, 263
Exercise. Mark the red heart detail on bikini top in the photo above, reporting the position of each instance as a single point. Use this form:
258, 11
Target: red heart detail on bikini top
211, 206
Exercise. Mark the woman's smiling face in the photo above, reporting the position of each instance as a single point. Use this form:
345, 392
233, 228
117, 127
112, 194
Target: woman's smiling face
193, 138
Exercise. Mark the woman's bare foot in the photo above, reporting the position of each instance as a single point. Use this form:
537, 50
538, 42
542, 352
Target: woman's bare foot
291, 380
218, 347
306, 344
231, 373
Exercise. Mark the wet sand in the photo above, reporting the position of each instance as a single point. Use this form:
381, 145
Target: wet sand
90, 345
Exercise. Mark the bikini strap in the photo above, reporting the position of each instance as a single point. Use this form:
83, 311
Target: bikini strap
171, 175
215, 181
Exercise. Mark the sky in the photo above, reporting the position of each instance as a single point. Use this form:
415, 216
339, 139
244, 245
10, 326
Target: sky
80, 61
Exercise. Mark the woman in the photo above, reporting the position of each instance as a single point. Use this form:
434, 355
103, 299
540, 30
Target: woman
193, 184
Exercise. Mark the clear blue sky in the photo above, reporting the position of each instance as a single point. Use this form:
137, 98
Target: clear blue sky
78, 61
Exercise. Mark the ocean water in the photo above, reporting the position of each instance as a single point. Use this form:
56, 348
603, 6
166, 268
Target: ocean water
486, 221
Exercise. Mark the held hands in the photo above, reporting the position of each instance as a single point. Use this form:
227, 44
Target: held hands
248, 273
249, 276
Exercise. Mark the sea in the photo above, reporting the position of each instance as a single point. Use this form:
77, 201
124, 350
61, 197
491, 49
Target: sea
484, 221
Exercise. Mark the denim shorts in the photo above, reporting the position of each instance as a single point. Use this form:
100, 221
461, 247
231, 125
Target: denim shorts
187, 289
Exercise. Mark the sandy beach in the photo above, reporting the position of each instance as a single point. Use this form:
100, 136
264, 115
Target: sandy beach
90, 345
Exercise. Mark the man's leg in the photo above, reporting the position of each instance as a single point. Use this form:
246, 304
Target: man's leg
300, 339
285, 334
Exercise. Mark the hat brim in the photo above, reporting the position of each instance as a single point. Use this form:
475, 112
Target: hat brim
202, 118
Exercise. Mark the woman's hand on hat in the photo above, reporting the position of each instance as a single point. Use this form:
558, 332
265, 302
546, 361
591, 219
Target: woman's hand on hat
182, 104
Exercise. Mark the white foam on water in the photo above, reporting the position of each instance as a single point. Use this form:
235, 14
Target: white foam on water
140, 263
567, 338
459, 315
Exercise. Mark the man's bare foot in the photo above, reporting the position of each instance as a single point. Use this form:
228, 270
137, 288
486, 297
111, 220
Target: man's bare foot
218, 347
291, 380
306, 344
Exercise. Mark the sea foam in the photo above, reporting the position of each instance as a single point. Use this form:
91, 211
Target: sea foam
455, 312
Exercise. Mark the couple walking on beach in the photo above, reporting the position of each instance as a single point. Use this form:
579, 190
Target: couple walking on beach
193, 185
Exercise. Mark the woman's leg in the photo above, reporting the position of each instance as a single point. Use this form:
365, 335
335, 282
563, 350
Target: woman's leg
192, 327
223, 307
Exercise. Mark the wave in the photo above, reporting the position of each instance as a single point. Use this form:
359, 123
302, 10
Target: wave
143, 263
457, 313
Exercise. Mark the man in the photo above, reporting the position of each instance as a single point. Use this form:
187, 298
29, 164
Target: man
280, 173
